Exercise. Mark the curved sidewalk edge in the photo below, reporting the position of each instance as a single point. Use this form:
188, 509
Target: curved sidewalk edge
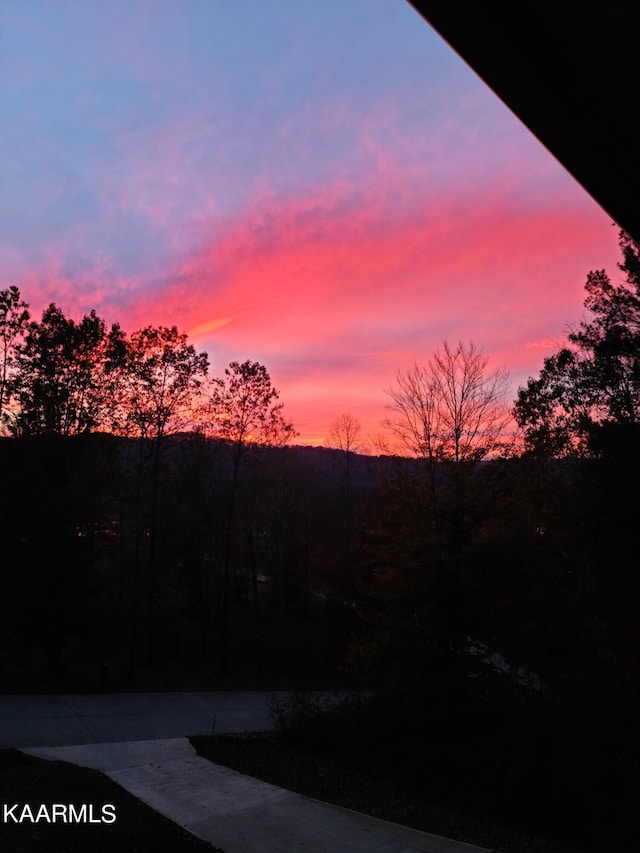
238, 813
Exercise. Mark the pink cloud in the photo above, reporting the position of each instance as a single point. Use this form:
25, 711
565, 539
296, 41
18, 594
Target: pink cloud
329, 257
336, 288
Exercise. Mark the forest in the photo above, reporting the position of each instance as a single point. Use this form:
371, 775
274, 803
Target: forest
161, 529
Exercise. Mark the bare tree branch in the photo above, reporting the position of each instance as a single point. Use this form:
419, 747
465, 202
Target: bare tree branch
453, 408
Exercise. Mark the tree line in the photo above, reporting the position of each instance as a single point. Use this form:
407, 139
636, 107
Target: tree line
68, 378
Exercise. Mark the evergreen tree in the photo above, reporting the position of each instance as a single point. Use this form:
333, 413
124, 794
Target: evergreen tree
590, 388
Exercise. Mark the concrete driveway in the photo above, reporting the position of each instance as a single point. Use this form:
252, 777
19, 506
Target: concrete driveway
60, 720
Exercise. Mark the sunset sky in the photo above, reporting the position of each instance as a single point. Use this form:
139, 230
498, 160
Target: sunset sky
324, 187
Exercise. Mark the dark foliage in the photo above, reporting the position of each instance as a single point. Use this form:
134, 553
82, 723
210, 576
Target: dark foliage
593, 381
326, 777
495, 751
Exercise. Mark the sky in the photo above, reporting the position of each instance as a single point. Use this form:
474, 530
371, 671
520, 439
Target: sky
323, 187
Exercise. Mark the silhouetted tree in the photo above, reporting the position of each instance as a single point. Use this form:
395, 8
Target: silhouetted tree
593, 381
447, 416
453, 409
60, 382
160, 377
345, 435
14, 316
245, 414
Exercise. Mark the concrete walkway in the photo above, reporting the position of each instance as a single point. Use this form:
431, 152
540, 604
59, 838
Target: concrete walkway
236, 812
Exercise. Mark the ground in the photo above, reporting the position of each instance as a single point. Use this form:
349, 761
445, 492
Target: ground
262, 756
137, 828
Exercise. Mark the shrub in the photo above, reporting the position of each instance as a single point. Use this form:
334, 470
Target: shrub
314, 720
